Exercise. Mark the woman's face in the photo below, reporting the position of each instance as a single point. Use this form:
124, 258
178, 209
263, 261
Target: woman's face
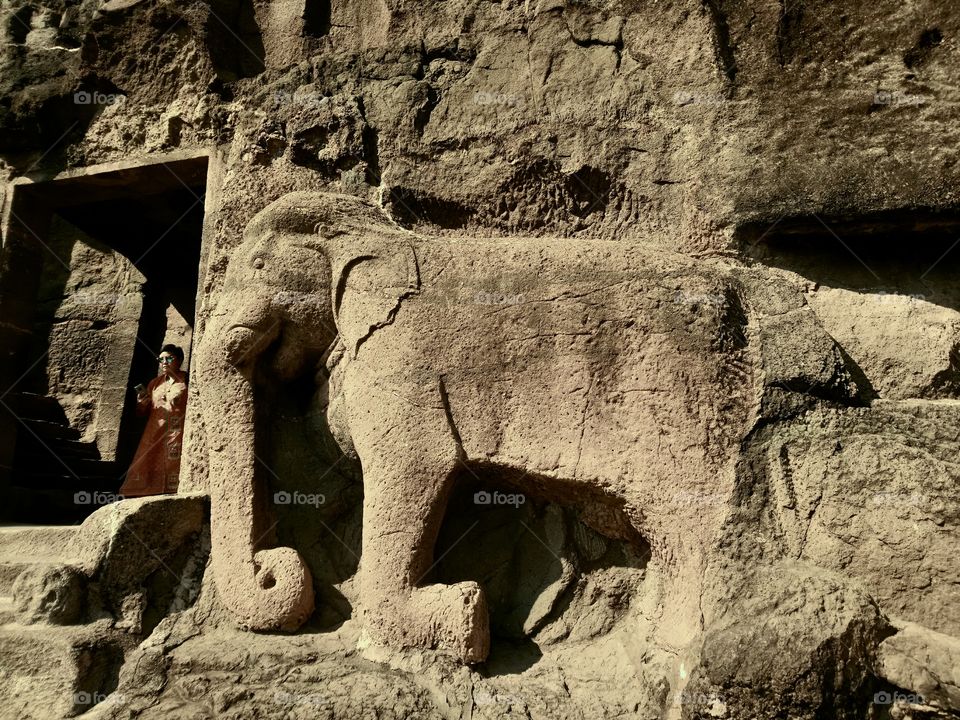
168, 363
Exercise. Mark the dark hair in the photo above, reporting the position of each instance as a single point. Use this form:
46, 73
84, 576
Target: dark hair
174, 350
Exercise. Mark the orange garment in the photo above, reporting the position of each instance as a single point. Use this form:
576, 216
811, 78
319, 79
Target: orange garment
156, 466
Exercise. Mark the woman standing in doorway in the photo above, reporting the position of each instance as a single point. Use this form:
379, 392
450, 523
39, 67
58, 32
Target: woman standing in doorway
156, 466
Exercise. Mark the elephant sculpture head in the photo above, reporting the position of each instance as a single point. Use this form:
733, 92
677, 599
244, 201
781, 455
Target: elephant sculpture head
284, 304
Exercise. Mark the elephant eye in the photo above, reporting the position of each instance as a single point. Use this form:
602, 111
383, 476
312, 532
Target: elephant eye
258, 263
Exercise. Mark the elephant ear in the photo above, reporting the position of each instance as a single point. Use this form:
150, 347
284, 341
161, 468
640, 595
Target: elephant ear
370, 278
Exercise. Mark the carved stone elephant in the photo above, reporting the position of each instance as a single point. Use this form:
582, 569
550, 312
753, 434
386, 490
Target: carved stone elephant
609, 376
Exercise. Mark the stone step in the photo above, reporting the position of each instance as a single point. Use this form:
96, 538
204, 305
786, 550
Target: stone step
10, 570
37, 542
48, 431
22, 546
102, 481
37, 504
30, 447
38, 407
57, 671
70, 473
60, 472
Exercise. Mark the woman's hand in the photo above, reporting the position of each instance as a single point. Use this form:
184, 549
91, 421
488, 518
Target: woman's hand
143, 400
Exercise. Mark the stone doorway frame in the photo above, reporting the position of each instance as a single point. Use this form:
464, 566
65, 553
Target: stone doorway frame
29, 202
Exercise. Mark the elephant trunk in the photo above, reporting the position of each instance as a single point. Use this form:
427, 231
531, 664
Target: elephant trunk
265, 589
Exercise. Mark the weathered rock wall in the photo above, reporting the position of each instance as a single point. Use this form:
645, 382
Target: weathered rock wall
89, 308
608, 119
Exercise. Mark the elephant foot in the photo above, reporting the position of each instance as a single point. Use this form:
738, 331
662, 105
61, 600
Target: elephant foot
675, 583
452, 619
459, 618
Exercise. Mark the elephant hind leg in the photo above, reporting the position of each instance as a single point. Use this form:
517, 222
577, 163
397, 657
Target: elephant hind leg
678, 560
408, 470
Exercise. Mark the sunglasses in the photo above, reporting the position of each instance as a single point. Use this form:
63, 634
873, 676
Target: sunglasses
166, 359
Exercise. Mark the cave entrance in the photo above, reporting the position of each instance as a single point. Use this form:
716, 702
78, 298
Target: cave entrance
99, 268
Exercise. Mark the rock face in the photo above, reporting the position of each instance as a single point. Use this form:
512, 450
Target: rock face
924, 660
779, 625
549, 359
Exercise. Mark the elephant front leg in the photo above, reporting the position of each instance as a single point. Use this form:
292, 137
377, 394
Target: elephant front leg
409, 456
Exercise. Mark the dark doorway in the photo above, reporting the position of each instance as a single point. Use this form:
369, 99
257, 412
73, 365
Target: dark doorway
100, 269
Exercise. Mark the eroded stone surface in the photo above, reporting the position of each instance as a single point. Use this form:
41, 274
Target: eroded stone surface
54, 594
